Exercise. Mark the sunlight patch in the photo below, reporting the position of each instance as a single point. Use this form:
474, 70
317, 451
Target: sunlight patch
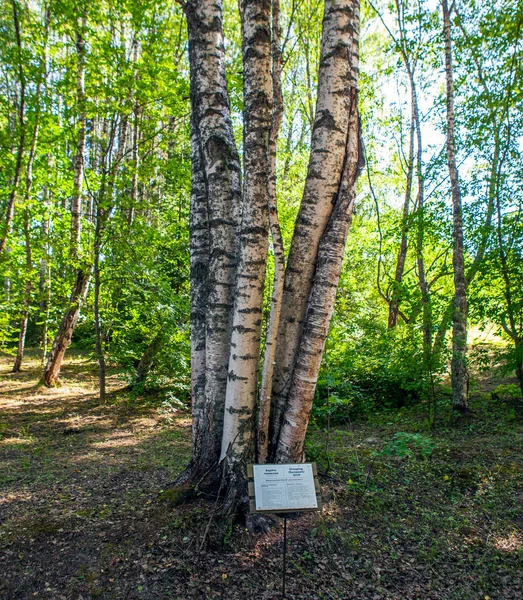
508, 543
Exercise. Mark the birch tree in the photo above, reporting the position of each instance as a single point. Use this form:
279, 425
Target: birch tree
229, 241
460, 307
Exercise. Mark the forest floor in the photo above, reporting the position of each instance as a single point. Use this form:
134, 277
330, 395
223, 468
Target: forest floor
407, 514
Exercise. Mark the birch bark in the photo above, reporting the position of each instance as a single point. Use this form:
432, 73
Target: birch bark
215, 212
460, 307
323, 294
328, 149
240, 400
277, 244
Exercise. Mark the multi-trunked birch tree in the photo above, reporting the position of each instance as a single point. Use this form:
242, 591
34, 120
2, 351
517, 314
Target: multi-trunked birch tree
232, 215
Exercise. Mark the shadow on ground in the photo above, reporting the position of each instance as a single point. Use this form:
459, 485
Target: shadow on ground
80, 515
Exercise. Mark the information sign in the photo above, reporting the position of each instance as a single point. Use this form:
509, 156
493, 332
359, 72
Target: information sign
284, 488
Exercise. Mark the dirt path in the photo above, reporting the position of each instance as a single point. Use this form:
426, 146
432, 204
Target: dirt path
81, 515
77, 480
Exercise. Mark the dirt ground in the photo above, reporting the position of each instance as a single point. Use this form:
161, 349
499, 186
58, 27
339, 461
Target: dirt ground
407, 514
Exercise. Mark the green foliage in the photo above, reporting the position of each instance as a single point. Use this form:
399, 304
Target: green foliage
137, 93
506, 392
405, 445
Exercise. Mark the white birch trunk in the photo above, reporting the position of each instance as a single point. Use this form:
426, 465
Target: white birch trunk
321, 301
215, 211
240, 400
338, 66
277, 243
460, 307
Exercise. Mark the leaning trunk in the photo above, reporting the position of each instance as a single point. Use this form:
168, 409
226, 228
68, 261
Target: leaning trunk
321, 302
82, 271
336, 82
67, 327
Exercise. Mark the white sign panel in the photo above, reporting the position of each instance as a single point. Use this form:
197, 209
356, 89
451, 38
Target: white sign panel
284, 487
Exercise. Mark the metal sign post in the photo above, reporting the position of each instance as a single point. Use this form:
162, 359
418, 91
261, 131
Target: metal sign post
284, 555
283, 489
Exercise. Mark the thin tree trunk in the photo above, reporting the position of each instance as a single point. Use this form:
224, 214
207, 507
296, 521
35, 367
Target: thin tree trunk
328, 148
145, 363
519, 362
45, 271
426, 302
21, 141
82, 272
240, 400
135, 144
394, 304
277, 243
104, 205
27, 230
76, 201
28, 255
100, 217
27, 292
460, 308
511, 329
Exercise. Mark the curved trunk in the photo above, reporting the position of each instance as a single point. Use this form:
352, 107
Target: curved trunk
337, 76
82, 272
322, 298
67, 327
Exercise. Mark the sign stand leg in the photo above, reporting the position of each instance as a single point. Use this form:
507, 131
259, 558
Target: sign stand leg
284, 554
